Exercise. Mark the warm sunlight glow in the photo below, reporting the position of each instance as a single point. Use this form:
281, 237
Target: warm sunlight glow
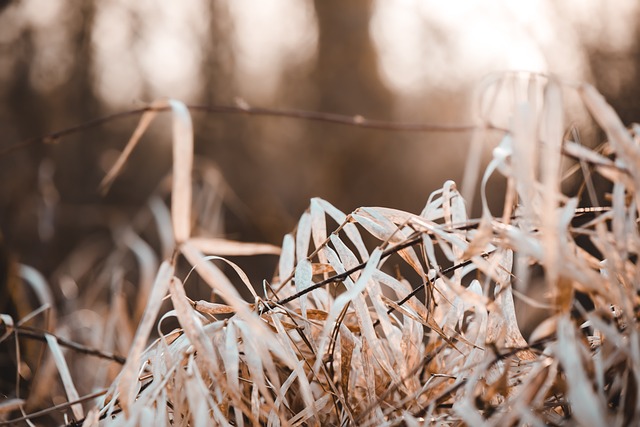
268, 37
52, 59
164, 53
425, 43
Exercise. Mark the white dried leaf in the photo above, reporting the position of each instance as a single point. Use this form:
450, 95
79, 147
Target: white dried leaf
345, 298
318, 227
162, 217
65, 376
182, 167
579, 151
10, 405
148, 263
619, 138
287, 258
42, 290
303, 236
226, 247
128, 381
241, 274
303, 276
145, 120
586, 407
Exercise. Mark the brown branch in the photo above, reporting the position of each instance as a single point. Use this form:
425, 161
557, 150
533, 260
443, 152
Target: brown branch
54, 408
411, 241
342, 276
39, 336
357, 121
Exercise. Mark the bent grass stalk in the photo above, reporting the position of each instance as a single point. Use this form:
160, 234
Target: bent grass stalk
340, 337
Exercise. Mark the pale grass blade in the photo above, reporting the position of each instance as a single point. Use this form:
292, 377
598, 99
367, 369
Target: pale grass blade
226, 247
42, 290
143, 124
128, 380
182, 167
587, 409
303, 236
287, 260
65, 375
619, 136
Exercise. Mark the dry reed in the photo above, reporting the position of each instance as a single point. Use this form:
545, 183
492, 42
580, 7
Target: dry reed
336, 338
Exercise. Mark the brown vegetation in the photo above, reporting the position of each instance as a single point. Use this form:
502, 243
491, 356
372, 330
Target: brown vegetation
376, 317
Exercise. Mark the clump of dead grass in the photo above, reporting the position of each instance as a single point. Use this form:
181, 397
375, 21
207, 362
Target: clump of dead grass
338, 338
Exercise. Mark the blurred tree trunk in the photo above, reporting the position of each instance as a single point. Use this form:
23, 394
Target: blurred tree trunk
218, 64
34, 113
346, 74
346, 80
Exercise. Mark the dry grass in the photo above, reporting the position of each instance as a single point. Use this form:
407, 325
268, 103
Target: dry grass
338, 337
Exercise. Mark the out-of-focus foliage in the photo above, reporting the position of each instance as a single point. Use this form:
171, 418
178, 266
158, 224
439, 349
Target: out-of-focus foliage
64, 63
378, 317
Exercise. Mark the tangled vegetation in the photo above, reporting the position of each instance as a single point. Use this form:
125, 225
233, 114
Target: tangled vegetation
378, 317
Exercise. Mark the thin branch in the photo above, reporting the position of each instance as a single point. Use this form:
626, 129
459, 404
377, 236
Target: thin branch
497, 358
39, 336
340, 277
54, 408
339, 119
431, 281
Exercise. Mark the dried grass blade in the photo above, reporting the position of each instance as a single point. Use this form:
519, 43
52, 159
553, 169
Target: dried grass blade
525, 159
222, 286
225, 247
587, 408
347, 297
65, 375
429, 321
212, 308
581, 152
298, 370
619, 137
182, 167
143, 124
162, 217
129, 375
214, 277
231, 359
504, 300
192, 325
7, 322
350, 229
10, 405
303, 279
259, 360
550, 171
318, 228
384, 229
92, 419
243, 276
287, 261
42, 290
304, 417
148, 263
303, 236
347, 345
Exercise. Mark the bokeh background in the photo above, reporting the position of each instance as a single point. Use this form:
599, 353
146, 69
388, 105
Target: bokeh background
63, 63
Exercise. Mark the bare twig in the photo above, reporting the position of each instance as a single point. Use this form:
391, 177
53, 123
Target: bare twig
39, 336
340, 277
357, 121
54, 408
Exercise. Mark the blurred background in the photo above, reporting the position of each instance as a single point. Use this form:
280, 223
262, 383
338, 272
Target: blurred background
63, 63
